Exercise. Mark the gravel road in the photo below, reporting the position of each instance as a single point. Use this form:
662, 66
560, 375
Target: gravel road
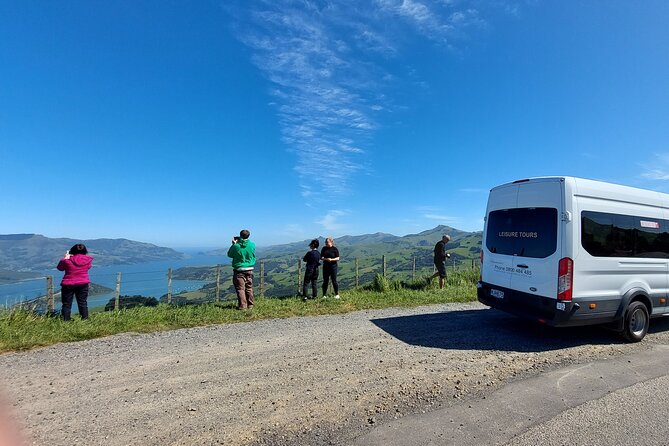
310, 380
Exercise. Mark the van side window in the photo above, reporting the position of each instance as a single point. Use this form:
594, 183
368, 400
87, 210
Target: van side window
523, 232
615, 235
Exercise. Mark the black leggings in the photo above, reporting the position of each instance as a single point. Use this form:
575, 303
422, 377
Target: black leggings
330, 272
67, 292
310, 276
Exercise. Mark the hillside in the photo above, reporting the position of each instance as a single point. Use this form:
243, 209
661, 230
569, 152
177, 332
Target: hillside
280, 261
34, 252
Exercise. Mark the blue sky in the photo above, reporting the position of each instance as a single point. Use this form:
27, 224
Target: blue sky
181, 122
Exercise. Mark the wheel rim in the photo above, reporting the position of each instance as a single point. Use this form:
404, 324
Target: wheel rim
638, 322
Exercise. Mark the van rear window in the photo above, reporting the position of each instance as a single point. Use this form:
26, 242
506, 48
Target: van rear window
523, 232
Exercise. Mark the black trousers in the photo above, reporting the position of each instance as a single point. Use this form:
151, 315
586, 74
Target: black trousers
67, 292
310, 277
330, 273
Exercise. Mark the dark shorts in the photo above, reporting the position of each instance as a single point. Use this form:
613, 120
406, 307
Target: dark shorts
441, 268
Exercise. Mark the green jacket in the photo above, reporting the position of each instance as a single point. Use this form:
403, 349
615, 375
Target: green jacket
243, 254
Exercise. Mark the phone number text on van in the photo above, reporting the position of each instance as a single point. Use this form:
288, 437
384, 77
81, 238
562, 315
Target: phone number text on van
511, 269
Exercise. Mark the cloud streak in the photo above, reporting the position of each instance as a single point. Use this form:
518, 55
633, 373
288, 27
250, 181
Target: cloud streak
330, 220
658, 169
325, 61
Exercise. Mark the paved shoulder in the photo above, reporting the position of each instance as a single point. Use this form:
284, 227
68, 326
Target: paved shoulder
526, 412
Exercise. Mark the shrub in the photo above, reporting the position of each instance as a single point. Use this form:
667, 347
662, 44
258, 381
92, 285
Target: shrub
131, 302
381, 284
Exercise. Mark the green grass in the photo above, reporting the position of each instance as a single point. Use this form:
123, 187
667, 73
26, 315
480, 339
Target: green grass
23, 330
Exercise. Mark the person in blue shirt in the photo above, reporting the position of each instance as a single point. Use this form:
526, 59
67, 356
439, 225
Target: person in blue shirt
313, 259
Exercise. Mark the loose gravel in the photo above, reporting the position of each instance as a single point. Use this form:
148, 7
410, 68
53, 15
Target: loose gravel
311, 380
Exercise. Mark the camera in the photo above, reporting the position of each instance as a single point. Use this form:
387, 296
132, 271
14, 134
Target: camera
236, 239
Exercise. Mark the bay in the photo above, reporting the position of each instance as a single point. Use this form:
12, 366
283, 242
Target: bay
146, 279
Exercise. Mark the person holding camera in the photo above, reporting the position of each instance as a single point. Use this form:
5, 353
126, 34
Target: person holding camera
243, 254
440, 256
76, 264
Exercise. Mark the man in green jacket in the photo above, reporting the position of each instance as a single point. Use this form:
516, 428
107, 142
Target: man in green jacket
243, 254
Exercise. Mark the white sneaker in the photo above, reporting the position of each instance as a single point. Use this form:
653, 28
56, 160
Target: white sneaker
336, 296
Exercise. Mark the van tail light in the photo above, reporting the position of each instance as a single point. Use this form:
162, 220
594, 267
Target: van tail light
481, 268
565, 278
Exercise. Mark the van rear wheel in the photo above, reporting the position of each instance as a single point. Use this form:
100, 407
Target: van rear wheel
637, 320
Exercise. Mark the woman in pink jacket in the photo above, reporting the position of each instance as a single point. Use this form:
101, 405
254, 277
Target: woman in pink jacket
75, 282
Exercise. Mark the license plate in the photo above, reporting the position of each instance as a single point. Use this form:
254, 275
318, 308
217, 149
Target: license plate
497, 294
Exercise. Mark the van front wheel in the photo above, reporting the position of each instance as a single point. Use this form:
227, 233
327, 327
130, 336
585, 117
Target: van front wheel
636, 322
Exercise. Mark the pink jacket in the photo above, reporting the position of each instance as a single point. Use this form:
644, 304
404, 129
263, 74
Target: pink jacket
76, 269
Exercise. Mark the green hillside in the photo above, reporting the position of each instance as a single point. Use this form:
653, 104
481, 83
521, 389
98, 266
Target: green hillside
34, 252
280, 262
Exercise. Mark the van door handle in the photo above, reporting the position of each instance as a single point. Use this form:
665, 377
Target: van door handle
522, 266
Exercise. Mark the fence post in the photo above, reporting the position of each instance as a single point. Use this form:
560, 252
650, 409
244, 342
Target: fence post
218, 283
117, 300
413, 270
356, 273
262, 277
49, 293
384, 266
169, 286
299, 270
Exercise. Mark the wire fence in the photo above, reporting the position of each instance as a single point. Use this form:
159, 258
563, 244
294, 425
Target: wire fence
212, 283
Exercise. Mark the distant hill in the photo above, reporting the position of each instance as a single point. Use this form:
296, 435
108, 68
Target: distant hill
280, 261
34, 252
378, 243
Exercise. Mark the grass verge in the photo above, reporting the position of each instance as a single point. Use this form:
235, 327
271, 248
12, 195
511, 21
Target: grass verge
23, 330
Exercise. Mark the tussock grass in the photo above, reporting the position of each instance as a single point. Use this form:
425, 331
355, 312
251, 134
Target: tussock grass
23, 330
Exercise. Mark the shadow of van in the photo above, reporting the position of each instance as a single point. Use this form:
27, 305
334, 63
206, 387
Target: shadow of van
491, 329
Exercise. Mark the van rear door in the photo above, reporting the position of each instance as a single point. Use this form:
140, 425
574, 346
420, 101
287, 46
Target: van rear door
539, 235
522, 236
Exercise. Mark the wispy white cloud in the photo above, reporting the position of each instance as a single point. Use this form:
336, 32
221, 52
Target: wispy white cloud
439, 217
330, 221
429, 212
657, 169
325, 63
291, 231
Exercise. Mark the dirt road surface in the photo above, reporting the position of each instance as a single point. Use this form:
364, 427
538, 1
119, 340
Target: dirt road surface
312, 380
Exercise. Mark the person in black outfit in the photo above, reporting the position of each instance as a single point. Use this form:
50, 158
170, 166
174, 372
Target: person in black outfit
440, 256
330, 257
313, 259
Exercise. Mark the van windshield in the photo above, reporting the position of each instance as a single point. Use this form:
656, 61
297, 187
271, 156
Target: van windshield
523, 232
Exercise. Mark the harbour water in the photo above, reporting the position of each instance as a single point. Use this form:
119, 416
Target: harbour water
146, 279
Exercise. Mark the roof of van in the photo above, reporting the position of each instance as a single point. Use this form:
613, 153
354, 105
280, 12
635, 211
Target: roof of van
602, 189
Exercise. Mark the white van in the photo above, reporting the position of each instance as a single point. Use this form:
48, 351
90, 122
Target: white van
568, 251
